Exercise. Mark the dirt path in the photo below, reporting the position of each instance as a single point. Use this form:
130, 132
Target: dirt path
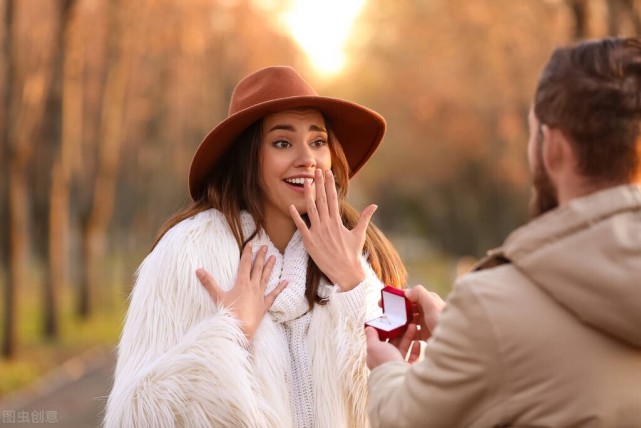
72, 396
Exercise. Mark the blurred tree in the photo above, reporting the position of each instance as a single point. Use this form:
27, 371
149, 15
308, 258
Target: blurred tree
581, 16
29, 80
197, 58
110, 140
11, 262
454, 80
58, 200
623, 13
177, 79
598, 18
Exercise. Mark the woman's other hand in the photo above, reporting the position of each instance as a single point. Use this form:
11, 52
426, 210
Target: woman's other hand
246, 300
335, 249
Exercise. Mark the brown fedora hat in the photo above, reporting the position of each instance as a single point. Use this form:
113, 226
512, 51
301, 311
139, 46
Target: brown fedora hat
273, 89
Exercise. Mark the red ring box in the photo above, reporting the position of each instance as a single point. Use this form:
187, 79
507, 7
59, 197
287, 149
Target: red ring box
397, 314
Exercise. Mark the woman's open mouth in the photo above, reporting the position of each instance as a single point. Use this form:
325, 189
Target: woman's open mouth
298, 181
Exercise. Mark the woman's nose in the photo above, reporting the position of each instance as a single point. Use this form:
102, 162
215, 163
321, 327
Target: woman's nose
305, 157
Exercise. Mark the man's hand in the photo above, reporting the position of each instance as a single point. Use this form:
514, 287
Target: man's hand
379, 352
428, 306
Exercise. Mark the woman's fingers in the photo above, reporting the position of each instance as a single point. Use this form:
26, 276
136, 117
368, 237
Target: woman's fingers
364, 219
299, 222
321, 194
267, 272
210, 285
259, 263
324, 204
244, 267
310, 202
332, 195
269, 299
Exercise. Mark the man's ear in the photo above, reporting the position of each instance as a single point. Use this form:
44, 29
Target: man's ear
636, 178
556, 152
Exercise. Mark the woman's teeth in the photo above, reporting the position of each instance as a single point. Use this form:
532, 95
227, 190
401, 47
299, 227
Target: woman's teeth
299, 181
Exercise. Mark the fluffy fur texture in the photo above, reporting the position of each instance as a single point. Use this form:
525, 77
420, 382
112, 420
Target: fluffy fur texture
184, 361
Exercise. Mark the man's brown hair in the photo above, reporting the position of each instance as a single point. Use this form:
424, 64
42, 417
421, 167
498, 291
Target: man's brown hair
592, 93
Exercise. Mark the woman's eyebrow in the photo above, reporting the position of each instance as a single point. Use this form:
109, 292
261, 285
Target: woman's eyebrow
317, 128
291, 128
281, 127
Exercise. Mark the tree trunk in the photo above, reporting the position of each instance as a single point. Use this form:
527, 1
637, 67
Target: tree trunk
110, 141
614, 17
630, 9
18, 253
58, 230
31, 111
618, 12
9, 331
26, 106
579, 9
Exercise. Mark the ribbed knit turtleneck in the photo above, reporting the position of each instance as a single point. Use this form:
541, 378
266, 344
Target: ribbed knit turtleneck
291, 312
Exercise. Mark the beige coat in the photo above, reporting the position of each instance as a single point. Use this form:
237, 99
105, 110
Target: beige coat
550, 336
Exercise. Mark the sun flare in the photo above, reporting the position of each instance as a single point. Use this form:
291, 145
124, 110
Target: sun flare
322, 28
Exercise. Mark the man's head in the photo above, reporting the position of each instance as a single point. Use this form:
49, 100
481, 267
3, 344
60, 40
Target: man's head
586, 113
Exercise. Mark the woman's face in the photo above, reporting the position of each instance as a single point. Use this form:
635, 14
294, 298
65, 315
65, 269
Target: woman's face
294, 145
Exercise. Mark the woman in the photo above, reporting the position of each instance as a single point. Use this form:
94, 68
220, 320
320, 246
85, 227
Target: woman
278, 342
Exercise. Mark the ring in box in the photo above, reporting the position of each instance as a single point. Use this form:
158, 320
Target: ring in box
397, 313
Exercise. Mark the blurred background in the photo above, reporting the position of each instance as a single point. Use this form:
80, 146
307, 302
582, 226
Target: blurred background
103, 103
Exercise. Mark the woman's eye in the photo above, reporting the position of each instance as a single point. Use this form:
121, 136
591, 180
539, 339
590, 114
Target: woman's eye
319, 143
282, 144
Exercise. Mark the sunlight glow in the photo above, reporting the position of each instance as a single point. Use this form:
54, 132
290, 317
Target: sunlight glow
322, 28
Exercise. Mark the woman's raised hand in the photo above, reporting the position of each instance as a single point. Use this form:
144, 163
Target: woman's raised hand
335, 249
246, 300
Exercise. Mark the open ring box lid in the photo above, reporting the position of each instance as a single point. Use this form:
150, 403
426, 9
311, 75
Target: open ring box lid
397, 313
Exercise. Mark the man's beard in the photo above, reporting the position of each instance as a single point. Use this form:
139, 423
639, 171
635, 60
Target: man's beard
544, 197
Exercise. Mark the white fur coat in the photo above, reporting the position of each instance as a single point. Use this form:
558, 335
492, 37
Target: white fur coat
184, 361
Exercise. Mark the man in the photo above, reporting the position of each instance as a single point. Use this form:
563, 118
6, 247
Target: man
547, 330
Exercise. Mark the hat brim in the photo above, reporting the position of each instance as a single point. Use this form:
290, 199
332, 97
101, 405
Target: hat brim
359, 130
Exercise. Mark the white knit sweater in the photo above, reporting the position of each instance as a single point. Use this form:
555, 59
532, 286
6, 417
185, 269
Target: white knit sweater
184, 361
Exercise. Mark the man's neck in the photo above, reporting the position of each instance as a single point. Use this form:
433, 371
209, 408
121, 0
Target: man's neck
580, 187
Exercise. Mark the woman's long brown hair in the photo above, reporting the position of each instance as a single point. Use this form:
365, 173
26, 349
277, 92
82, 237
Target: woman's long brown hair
234, 185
